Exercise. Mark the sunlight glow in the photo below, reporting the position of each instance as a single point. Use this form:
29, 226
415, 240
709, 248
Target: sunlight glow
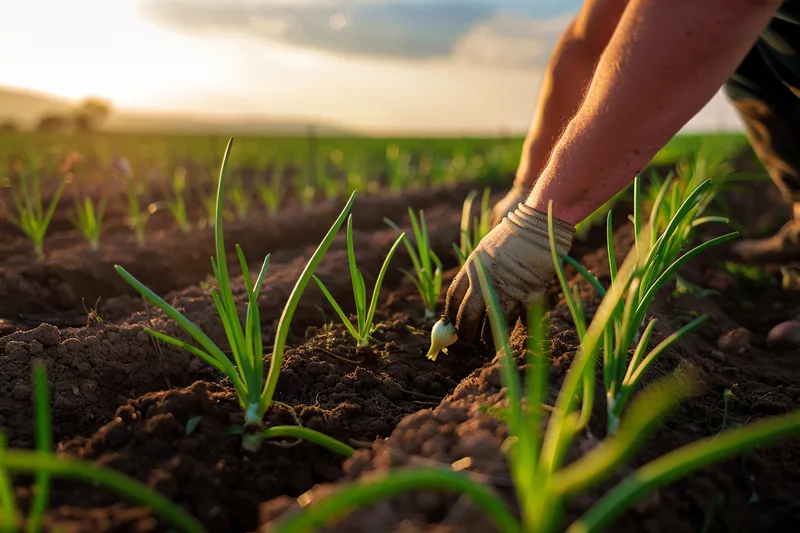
108, 48
99, 47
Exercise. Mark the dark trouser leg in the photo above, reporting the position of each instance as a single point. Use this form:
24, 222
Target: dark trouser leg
771, 114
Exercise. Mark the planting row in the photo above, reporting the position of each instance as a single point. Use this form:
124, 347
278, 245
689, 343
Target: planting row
539, 444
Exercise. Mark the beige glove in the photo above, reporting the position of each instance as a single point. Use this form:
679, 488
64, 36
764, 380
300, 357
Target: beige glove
516, 255
510, 201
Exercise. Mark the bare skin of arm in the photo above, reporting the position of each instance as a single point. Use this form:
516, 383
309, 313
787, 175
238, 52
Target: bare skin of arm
665, 60
566, 78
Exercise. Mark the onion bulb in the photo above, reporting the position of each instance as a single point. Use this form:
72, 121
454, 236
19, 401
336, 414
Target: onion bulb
443, 335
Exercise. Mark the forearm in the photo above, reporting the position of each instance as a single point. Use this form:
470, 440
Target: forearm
565, 80
664, 62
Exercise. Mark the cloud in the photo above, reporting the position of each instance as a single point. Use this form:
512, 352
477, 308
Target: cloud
509, 40
404, 28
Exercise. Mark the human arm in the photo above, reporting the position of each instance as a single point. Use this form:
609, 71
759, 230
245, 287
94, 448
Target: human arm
566, 77
662, 65
665, 60
568, 74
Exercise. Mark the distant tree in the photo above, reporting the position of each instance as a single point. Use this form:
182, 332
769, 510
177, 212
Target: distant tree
8, 126
91, 113
53, 123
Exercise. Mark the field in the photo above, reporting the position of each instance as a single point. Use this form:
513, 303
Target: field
122, 400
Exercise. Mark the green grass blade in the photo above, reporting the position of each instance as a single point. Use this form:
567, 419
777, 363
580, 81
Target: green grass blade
612, 259
557, 428
361, 304
421, 236
345, 320
291, 305
358, 295
299, 432
687, 205
173, 313
667, 274
248, 285
466, 209
663, 345
32, 462
229, 324
681, 462
194, 350
9, 512
382, 274
536, 379
709, 219
641, 348
637, 214
261, 275
585, 273
562, 279
640, 420
51, 209
44, 444
236, 335
365, 492
522, 452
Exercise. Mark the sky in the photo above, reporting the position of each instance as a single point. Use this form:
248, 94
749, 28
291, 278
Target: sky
427, 66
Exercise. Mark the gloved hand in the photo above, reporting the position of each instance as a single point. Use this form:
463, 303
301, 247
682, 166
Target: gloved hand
516, 255
509, 202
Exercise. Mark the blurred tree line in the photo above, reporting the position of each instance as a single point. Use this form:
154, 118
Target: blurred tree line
88, 115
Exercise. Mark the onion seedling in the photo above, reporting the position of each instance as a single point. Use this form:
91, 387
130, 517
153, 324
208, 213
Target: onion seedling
306, 193
472, 232
88, 219
44, 465
427, 275
270, 192
208, 202
659, 254
365, 316
246, 371
31, 217
137, 217
177, 204
543, 483
240, 198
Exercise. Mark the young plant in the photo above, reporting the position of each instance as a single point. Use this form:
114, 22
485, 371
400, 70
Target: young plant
659, 254
306, 193
208, 201
31, 217
270, 192
472, 233
88, 219
44, 465
427, 275
396, 167
137, 217
364, 327
246, 371
177, 203
543, 483
240, 199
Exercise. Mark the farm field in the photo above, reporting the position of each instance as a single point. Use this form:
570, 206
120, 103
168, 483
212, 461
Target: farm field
345, 414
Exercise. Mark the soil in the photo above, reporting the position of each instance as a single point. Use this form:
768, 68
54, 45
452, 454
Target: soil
122, 401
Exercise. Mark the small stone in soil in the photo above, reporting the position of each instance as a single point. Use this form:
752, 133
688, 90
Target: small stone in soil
784, 335
736, 341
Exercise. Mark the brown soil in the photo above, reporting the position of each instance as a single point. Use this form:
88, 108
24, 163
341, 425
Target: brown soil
124, 402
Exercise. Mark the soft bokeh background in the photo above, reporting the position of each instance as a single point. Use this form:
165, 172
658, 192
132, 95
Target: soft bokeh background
372, 66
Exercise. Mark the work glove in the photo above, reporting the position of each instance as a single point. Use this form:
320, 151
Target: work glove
508, 203
517, 259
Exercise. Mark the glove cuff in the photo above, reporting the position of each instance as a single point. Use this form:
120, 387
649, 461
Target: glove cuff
535, 222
